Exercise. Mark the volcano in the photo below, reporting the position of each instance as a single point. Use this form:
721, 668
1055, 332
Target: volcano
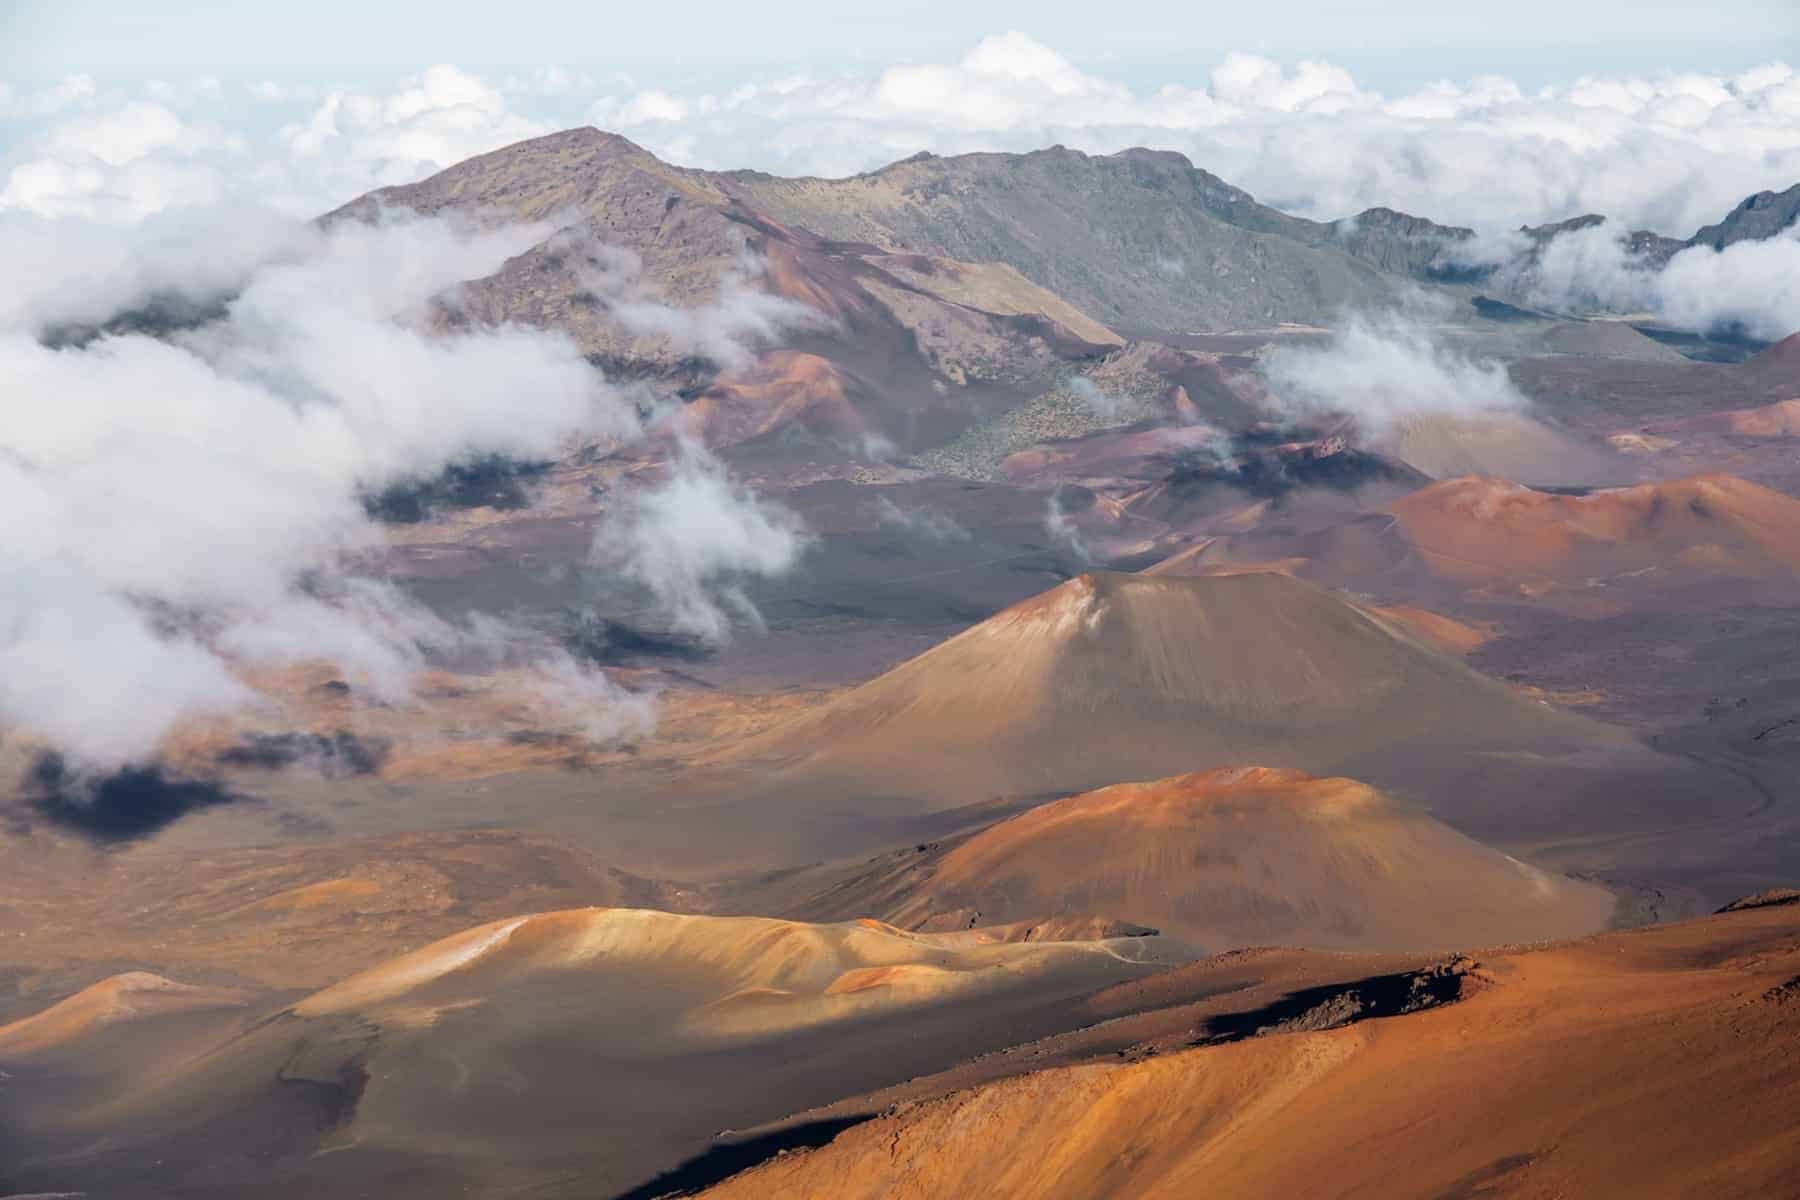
1112, 676
1235, 857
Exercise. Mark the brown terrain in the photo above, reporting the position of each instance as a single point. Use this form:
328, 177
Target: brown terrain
1114, 675
1487, 530
484, 1058
1481, 538
1659, 1062
1135, 789
498, 1057
1235, 857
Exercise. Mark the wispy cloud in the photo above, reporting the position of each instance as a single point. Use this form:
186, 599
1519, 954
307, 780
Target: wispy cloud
692, 542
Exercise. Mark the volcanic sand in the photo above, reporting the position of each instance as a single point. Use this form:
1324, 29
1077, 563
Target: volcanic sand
1665, 1061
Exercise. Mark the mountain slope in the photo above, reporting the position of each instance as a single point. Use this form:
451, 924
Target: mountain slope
1234, 857
654, 270
1119, 676
1660, 1062
1760, 216
1489, 530
1141, 239
570, 1053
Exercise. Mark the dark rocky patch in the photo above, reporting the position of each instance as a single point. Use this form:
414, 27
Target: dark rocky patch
120, 806
490, 481
334, 754
1345, 1004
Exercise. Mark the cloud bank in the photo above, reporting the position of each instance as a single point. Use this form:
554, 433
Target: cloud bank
172, 508
1668, 153
1748, 289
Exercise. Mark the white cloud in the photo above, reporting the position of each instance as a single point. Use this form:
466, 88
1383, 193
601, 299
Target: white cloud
1386, 370
120, 165
1669, 153
1061, 529
1585, 270
169, 506
724, 331
361, 140
68, 92
1752, 287
692, 540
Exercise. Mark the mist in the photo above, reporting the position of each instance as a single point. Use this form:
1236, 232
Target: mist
1062, 531
692, 542
724, 331
923, 524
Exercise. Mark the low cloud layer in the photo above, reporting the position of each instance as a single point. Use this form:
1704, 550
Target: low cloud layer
1749, 289
1669, 153
174, 507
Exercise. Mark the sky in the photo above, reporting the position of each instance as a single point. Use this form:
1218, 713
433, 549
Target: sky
1660, 114
55, 36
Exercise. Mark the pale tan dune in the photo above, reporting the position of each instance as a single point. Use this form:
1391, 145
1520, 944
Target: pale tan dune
769, 975
1778, 420
599, 1045
993, 287
1506, 444
131, 996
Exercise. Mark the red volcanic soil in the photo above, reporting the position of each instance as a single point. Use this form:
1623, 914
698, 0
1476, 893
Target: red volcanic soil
781, 388
1661, 1062
1781, 420
1436, 630
1234, 857
1482, 530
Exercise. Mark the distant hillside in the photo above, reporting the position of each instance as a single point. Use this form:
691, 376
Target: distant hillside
1760, 216
1141, 239
1110, 677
